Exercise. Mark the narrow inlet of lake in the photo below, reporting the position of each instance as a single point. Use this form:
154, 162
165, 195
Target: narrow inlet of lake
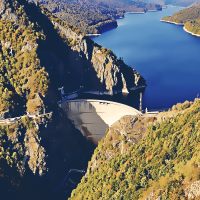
164, 54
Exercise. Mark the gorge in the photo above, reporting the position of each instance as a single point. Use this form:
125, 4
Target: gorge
40, 54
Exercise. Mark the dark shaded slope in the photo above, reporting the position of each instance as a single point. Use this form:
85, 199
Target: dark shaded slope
163, 165
71, 60
95, 16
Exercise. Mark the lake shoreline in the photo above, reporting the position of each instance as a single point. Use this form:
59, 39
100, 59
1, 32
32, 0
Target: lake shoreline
98, 34
93, 34
180, 24
134, 12
146, 51
190, 32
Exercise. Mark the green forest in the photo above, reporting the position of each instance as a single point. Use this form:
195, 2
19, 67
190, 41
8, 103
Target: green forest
190, 17
163, 162
22, 77
93, 17
36, 58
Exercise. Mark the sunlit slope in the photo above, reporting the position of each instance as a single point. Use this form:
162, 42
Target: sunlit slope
189, 17
40, 53
95, 17
165, 162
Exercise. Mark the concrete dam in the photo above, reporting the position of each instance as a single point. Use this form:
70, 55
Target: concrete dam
92, 117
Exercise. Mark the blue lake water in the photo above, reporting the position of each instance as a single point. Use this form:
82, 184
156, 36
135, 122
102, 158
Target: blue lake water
165, 55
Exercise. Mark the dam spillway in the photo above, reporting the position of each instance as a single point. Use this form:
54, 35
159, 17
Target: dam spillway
92, 117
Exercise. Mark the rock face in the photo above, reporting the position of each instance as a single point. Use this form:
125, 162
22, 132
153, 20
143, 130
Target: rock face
7, 13
34, 151
2, 6
121, 135
4, 115
29, 46
112, 75
193, 191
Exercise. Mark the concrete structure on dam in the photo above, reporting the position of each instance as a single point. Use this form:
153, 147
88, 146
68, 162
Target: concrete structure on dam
92, 117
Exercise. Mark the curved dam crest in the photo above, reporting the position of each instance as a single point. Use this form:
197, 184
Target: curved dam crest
93, 117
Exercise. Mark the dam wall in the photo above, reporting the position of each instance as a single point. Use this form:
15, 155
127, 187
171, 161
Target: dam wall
92, 117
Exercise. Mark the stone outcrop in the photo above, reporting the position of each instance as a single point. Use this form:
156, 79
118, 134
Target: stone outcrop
34, 151
111, 73
121, 135
7, 13
4, 115
193, 191
152, 196
2, 6
29, 46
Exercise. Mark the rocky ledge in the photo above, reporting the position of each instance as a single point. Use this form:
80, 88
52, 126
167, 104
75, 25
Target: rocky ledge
106, 73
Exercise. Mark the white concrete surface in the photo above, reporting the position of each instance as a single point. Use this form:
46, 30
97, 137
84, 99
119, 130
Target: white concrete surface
110, 111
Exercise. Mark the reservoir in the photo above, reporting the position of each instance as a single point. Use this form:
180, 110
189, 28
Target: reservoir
164, 54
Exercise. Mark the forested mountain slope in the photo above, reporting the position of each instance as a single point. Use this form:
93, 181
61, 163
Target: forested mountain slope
183, 3
164, 164
189, 17
27, 40
95, 16
40, 53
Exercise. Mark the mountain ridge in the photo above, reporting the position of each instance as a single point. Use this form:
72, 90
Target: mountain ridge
40, 53
95, 17
162, 164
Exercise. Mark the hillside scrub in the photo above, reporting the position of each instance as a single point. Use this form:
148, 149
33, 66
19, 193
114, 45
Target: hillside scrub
94, 17
156, 162
190, 17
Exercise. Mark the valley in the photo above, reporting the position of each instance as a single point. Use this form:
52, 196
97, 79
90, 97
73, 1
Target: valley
45, 61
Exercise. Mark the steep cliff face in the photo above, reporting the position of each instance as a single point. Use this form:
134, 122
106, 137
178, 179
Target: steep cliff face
121, 135
129, 130
110, 75
6, 13
164, 164
39, 54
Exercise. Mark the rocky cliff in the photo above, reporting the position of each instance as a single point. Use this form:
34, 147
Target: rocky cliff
129, 130
109, 75
39, 53
147, 158
94, 17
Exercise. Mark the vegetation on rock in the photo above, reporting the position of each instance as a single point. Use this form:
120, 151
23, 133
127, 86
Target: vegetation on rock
190, 17
94, 17
40, 53
166, 161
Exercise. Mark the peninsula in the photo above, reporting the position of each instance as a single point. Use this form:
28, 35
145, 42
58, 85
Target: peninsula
95, 17
189, 17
